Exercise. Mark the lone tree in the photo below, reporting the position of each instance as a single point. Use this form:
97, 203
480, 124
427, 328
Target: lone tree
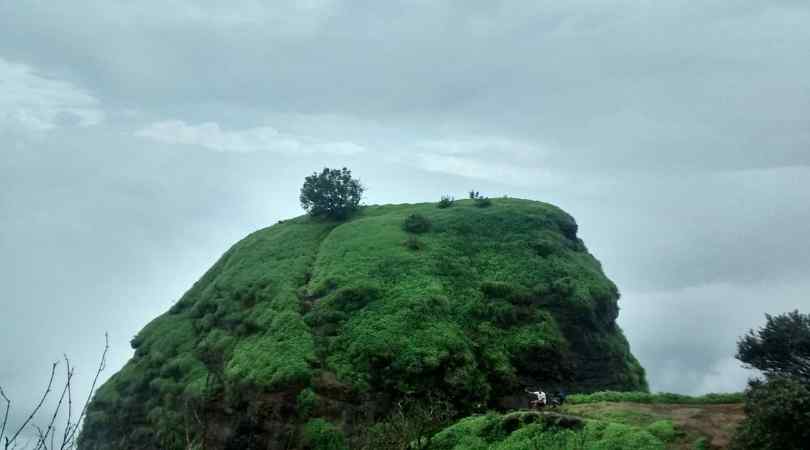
780, 348
777, 408
332, 193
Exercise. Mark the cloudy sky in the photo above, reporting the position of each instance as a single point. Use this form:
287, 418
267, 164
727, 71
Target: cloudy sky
139, 140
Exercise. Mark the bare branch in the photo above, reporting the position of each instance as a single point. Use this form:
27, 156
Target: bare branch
101, 365
66, 431
5, 415
49, 430
39, 405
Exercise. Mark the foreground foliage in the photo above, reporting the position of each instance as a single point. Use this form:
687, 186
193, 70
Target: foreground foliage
530, 431
778, 416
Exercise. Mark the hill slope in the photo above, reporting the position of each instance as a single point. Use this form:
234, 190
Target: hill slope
311, 318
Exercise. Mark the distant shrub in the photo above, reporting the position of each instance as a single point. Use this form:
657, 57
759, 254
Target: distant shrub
320, 434
136, 342
413, 243
416, 223
445, 202
479, 200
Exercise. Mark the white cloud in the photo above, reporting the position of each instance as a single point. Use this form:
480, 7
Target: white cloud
30, 101
264, 138
485, 168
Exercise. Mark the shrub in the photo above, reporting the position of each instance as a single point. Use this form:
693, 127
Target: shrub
416, 223
410, 425
333, 193
479, 200
777, 415
483, 202
663, 430
306, 400
701, 444
413, 243
320, 434
446, 201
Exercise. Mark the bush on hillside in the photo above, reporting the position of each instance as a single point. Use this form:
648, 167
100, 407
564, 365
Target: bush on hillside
333, 193
306, 402
479, 200
416, 223
411, 425
413, 243
777, 416
663, 430
320, 434
445, 202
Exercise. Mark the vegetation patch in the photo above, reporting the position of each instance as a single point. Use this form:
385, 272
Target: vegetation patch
416, 223
541, 431
445, 202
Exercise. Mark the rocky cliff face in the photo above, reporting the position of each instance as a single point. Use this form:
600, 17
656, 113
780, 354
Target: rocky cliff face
312, 319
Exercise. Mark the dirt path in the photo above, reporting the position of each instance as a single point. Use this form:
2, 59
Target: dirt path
714, 422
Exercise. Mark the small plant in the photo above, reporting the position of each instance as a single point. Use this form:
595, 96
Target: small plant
319, 434
446, 202
414, 243
307, 400
479, 200
416, 223
663, 430
701, 444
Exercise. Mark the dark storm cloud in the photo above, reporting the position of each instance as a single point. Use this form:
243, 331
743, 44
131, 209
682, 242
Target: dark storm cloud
139, 140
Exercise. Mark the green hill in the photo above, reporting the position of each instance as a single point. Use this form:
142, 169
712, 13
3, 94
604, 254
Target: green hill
314, 319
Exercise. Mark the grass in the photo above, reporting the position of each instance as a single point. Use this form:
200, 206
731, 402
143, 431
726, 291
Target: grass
530, 432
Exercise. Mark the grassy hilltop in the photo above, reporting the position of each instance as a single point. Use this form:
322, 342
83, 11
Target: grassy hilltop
313, 319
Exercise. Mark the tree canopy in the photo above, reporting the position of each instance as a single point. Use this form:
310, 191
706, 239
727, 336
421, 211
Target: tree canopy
780, 348
777, 409
332, 193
